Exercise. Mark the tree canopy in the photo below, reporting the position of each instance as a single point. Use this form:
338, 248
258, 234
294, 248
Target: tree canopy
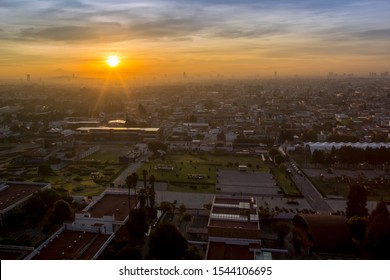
378, 233
167, 243
357, 201
62, 212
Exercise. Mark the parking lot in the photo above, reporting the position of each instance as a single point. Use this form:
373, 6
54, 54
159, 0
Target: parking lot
247, 182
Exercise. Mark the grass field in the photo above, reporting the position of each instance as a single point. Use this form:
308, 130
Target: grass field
195, 173
330, 186
285, 182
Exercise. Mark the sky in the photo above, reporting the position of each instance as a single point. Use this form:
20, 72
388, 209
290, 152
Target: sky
198, 37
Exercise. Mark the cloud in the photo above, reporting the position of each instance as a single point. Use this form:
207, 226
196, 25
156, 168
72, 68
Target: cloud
99, 31
166, 27
376, 34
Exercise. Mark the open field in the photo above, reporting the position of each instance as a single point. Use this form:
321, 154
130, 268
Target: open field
195, 173
329, 186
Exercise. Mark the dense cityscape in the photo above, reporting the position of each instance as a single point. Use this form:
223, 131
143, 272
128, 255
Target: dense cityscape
199, 167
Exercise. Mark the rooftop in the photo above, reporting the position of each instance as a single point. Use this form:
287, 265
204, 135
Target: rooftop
237, 213
123, 129
112, 204
229, 224
13, 192
73, 245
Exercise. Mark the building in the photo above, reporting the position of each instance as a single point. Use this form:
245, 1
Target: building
92, 230
105, 133
71, 243
110, 209
233, 229
15, 194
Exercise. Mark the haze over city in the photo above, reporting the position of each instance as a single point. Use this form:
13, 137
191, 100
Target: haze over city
58, 38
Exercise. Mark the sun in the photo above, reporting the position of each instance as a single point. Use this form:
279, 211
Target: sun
113, 61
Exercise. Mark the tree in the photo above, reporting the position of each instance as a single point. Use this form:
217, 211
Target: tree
44, 169
182, 208
282, 229
318, 156
186, 217
357, 200
131, 182
142, 197
378, 233
137, 224
279, 159
35, 207
154, 146
357, 227
151, 194
62, 212
273, 152
167, 243
165, 206
144, 174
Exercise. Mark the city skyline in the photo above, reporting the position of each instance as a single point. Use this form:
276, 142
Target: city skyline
46, 38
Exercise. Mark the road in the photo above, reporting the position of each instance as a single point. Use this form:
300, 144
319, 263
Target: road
121, 179
308, 190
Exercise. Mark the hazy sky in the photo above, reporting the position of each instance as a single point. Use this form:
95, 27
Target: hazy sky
50, 37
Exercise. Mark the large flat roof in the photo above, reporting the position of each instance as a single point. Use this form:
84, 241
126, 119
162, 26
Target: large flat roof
13, 192
73, 245
112, 204
123, 129
234, 212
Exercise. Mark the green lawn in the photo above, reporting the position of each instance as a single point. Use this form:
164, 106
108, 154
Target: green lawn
330, 186
185, 168
284, 181
195, 173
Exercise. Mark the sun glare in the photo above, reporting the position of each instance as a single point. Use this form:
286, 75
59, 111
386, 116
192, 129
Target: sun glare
112, 61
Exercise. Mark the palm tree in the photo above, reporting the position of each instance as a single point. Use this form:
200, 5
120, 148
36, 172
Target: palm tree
135, 180
152, 179
129, 183
142, 195
144, 174
151, 195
